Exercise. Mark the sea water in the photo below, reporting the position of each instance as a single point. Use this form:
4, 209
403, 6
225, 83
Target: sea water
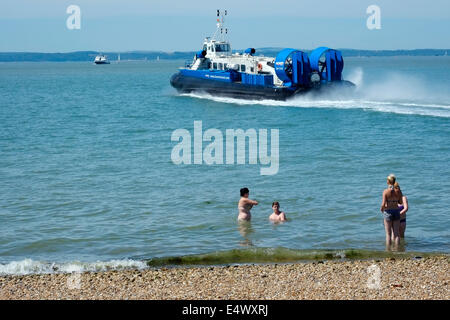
87, 181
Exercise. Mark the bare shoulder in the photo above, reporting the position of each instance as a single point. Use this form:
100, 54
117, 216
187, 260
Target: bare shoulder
243, 200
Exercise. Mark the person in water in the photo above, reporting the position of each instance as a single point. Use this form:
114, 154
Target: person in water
403, 209
277, 215
244, 205
391, 212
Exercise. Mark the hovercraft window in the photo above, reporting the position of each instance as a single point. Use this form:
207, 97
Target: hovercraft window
252, 69
242, 67
225, 66
222, 48
220, 66
215, 65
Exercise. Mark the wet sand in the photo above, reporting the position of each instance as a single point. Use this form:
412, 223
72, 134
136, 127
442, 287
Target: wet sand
425, 278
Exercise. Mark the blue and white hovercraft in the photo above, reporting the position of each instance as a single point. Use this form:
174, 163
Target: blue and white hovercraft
219, 72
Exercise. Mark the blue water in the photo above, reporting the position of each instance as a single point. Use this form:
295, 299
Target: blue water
86, 172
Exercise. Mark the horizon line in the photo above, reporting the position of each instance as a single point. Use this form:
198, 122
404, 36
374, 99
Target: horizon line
189, 51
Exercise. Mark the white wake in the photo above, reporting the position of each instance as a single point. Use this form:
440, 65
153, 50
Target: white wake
396, 94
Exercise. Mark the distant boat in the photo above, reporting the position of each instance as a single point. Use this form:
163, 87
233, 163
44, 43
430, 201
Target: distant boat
101, 59
157, 58
118, 58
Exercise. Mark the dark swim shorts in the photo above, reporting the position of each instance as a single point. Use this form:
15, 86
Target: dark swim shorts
391, 214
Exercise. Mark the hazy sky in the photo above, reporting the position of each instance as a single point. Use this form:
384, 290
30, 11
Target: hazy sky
180, 25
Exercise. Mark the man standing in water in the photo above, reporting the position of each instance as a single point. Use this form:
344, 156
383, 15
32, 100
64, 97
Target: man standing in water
244, 205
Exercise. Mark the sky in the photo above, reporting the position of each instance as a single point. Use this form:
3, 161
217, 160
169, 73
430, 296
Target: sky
180, 25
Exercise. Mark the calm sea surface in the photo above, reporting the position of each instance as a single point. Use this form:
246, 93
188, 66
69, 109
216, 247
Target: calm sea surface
86, 173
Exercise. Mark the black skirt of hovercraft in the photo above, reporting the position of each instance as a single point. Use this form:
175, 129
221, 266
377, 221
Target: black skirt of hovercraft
230, 84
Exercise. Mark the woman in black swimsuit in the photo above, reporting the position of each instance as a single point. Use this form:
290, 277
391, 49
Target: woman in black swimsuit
403, 209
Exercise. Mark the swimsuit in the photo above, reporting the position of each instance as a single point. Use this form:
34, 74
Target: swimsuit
391, 214
392, 201
404, 219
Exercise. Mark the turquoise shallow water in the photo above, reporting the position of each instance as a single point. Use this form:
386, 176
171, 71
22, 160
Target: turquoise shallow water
86, 173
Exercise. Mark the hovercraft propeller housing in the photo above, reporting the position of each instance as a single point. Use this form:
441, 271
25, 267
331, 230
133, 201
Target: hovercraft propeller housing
293, 67
327, 64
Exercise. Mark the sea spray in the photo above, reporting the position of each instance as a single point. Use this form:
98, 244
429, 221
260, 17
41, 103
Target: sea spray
356, 76
396, 93
397, 87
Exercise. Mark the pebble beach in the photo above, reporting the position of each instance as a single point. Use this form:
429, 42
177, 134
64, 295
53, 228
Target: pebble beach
391, 278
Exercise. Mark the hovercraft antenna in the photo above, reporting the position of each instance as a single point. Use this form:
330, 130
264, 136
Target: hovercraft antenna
220, 26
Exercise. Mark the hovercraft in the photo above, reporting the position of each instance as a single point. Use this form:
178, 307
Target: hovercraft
101, 59
217, 71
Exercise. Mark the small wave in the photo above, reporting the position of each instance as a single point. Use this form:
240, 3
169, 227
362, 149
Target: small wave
29, 266
275, 255
227, 257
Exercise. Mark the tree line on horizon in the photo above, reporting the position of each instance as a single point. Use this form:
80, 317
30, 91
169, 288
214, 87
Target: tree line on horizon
178, 55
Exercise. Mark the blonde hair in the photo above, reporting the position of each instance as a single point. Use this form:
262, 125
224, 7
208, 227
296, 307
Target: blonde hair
391, 178
397, 186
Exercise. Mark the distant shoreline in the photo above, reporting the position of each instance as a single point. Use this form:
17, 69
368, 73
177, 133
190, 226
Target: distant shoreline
178, 55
